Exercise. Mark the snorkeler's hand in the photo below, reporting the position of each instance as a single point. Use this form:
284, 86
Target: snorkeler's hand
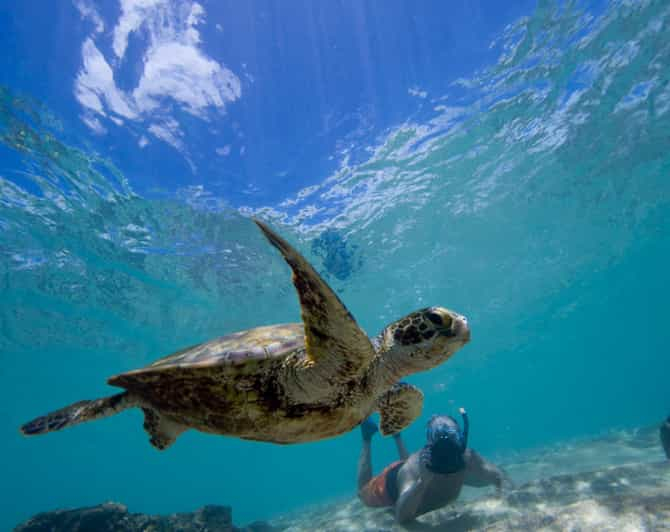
504, 484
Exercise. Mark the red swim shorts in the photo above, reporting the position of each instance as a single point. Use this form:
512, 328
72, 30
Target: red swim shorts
375, 493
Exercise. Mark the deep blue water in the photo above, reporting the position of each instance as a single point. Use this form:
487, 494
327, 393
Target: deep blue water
510, 163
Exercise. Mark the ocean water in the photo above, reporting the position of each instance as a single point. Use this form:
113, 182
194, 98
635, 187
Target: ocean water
531, 195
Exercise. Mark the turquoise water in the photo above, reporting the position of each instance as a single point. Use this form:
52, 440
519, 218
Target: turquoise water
533, 198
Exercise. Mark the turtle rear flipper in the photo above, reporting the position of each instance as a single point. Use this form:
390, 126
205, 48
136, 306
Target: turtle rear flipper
398, 407
332, 336
79, 413
162, 430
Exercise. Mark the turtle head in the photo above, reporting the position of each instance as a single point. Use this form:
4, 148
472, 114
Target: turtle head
423, 340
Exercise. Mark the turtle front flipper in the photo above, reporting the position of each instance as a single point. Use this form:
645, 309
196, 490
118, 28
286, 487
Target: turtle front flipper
332, 336
398, 407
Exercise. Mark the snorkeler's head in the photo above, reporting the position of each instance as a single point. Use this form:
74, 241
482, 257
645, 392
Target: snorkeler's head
446, 444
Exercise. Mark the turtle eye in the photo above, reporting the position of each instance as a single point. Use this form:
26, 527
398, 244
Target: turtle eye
435, 318
441, 320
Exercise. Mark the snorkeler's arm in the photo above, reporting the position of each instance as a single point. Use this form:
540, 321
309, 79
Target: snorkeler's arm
407, 505
480, 472
400, 446
414, 479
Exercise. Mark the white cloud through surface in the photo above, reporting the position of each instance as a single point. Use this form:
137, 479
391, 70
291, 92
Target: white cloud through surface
176, 74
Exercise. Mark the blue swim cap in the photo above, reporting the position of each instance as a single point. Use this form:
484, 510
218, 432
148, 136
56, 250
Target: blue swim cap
446, 427
446, 443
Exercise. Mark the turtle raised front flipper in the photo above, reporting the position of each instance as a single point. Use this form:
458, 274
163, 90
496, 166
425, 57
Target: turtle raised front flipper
398, 407
332, 337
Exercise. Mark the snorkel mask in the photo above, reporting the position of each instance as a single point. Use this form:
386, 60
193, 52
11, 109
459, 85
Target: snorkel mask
446, 444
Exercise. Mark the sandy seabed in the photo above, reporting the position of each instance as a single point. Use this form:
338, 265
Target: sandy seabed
618, 482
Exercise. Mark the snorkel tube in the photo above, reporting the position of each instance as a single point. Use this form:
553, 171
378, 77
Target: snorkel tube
445, 444
466, 427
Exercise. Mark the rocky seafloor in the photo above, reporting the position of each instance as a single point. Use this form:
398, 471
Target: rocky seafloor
573, 487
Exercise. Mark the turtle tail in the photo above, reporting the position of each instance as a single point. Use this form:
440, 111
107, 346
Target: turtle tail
79, 413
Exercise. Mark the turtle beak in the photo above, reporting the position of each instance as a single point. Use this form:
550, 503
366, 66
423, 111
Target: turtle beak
454, 325
461, 328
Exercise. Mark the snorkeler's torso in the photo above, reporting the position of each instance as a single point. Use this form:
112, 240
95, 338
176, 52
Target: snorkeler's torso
441, 489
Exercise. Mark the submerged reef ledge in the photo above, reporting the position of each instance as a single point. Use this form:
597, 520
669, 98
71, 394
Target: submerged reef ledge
115, 517
570, 486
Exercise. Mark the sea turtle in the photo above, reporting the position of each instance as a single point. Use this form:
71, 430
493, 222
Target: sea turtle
287, 383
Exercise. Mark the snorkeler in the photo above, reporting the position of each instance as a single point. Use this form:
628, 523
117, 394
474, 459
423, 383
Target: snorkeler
429, 478
665, 437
